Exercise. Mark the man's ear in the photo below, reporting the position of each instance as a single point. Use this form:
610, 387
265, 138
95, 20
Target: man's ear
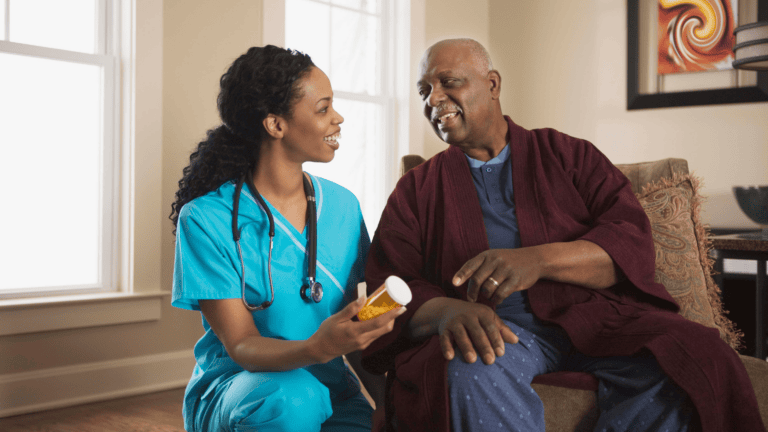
494, 79
274, 125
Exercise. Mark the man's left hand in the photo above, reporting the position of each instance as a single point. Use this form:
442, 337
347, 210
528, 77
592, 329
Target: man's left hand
497, 273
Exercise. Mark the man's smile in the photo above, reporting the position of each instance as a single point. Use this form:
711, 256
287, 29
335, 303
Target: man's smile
444, 118
447, 120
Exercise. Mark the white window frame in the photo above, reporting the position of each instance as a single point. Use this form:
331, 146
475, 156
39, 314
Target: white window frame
106, 57
396, 75
132, 291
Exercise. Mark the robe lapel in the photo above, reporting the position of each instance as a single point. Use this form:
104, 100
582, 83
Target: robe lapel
460, 189
532, 229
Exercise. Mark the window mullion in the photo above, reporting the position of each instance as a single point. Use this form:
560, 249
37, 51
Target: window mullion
101, 27
7, 35
383, 42
351, 9
360, 97
54, 53
330, 42
388, 89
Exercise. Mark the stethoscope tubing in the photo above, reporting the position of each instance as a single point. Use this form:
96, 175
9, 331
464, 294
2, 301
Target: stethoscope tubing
242, 282
314, 287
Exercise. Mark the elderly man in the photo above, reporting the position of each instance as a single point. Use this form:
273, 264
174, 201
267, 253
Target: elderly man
528, 250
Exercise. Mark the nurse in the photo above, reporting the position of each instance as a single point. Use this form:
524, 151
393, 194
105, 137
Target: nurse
276, 363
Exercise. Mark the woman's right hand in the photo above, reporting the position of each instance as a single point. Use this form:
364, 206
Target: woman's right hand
339, 335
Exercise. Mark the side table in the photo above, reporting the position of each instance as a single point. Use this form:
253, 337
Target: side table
748, 247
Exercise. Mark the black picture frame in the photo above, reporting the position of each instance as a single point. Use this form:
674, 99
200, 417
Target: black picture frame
637, 100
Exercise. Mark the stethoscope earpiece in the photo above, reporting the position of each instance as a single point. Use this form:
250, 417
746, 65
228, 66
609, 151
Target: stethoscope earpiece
313, 290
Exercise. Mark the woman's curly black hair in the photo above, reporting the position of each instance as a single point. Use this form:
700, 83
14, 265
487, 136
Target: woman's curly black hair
263, 81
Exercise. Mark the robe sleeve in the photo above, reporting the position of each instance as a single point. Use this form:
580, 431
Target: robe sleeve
620, 225
397, 249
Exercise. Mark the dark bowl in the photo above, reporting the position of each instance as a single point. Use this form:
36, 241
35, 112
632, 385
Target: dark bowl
753, 202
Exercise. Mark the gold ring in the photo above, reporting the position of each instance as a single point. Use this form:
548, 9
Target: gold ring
493, 281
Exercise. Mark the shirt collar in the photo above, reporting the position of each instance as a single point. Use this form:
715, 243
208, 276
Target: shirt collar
502, 157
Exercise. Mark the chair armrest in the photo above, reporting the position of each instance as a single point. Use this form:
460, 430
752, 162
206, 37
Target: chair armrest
758, 373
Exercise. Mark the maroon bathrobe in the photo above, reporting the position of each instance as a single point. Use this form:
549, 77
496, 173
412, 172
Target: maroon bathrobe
564, 190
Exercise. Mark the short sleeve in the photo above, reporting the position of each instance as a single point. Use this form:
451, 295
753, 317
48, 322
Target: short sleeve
202, 269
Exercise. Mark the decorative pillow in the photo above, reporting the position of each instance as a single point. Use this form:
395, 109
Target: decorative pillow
683, 263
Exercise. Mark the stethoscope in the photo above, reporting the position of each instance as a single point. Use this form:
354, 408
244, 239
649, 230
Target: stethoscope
312, 289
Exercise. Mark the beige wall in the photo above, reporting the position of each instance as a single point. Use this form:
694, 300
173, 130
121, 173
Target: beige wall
563, 65
201, 39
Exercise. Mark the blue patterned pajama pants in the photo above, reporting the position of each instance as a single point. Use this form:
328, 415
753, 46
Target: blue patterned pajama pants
633, 394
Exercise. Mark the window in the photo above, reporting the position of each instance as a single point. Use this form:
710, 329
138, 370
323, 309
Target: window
58, 117
364, 51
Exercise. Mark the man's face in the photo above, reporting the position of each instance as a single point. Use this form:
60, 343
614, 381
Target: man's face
456, 94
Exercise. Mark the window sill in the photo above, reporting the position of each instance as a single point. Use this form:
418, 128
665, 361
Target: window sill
31, 315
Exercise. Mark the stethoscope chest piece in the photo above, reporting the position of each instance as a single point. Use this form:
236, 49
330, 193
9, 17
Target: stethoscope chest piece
312, 291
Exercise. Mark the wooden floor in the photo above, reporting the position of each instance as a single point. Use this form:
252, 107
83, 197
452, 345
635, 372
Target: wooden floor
156, 412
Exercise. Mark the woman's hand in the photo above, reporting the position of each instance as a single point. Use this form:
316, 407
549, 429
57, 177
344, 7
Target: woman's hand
339, 335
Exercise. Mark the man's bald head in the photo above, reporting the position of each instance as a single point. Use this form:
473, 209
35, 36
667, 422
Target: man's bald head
478, 55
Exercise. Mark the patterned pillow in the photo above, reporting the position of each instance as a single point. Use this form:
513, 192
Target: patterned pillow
683, 264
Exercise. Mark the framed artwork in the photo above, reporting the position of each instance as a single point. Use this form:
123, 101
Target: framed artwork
679, 53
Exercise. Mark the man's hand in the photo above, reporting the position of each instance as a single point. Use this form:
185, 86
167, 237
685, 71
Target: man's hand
474, 328
497, 273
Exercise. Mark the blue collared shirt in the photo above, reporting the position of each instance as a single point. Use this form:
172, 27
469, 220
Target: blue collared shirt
493, 182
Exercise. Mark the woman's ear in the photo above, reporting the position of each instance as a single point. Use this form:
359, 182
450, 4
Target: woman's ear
275, 126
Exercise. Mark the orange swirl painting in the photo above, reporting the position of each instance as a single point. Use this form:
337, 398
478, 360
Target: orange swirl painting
696, 35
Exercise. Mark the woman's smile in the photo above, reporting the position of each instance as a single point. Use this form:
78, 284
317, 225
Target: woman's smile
333, 140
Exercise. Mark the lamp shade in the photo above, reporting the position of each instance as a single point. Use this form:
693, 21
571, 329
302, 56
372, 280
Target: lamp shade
751, 49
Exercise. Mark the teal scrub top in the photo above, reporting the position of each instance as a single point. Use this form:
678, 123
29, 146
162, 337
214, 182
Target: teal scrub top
207, 266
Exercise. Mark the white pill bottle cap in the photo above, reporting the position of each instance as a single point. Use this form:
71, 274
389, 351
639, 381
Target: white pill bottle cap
398, 290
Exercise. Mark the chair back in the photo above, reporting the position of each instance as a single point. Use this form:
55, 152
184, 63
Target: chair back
643, 173
408, 162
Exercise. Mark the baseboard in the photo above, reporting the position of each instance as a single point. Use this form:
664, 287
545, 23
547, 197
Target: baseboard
65, 386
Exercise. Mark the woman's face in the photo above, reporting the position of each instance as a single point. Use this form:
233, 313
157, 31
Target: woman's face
313, 130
